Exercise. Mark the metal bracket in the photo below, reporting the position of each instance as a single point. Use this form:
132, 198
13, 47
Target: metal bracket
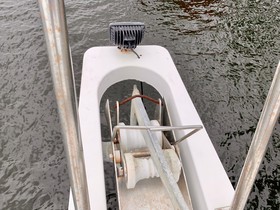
194, 128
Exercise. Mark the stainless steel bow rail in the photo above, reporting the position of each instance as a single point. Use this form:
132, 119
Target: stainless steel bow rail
54, 24
269, 117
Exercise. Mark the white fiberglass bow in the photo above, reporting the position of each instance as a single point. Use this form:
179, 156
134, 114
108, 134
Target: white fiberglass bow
207, 180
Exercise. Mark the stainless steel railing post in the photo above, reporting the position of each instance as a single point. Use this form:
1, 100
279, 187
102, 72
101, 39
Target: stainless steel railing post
259, 144
56, 35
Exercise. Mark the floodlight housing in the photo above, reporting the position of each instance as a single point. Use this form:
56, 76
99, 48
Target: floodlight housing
126, 35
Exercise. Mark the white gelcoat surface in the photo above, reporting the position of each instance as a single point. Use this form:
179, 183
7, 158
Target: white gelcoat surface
209, 185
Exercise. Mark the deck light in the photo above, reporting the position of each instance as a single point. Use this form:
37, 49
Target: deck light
126, 35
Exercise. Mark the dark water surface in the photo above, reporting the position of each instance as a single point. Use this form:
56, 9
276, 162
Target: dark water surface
226, 52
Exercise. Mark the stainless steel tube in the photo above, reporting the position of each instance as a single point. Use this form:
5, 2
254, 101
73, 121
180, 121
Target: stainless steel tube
259, 144
164, 171
55, 29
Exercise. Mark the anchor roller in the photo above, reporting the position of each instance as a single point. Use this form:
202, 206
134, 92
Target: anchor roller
138, 168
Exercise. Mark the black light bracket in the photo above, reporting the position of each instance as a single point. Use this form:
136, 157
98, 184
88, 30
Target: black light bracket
127, 35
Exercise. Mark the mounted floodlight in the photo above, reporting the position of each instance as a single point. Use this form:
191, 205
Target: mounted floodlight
126, 35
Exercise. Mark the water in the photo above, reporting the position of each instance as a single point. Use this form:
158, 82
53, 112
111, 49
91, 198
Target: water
226, 53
